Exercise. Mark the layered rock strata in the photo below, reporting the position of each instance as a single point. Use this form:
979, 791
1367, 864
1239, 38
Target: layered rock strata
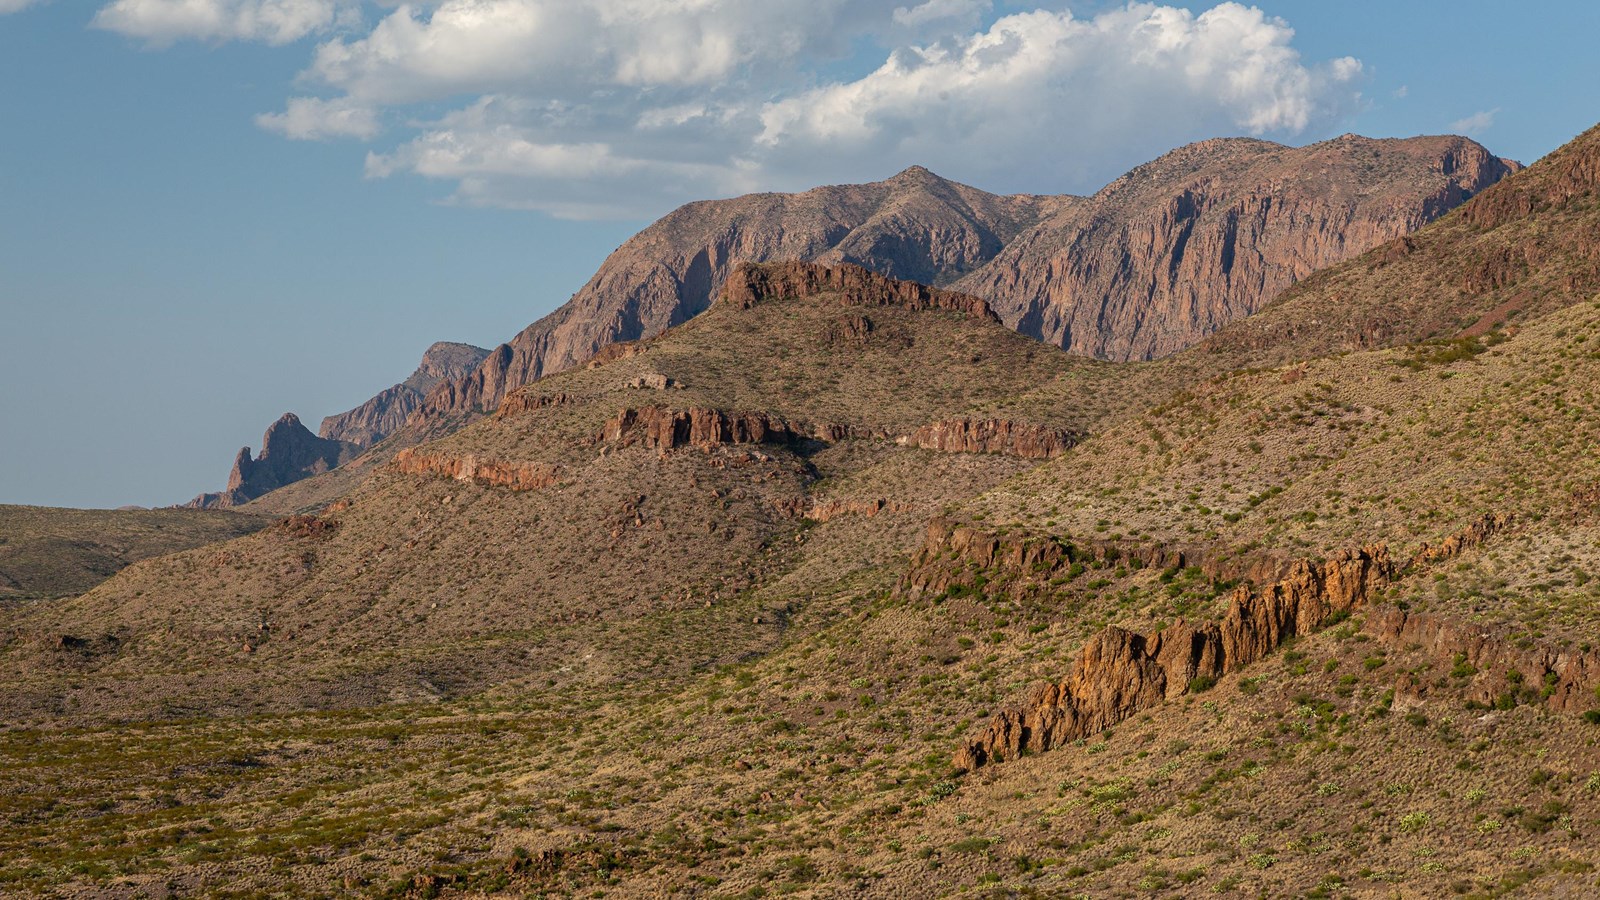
525, 402
1150, 264
851, 286
1120, 673
661, 428
516, 476
289, 452
387, 412
993, 436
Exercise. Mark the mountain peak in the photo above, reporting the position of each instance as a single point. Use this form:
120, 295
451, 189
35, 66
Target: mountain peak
916, 175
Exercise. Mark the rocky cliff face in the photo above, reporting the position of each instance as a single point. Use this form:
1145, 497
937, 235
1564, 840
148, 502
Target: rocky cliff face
993, 436
1119, 673
1152, 263
915, 226
289, 452
662, 429
1526, 246
384, 414
516, 476
1207, 234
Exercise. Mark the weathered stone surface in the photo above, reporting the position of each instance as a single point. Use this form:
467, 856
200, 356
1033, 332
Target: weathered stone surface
993, 436
1211, 232
653, 381
661, 428
530, 400
1153, 262
1119, 673
915, 226
852, 285
289, 452
386, 413
516, 476
825, 510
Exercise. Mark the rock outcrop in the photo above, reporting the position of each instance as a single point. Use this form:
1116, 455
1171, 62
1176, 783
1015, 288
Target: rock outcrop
384, 414
1563, 679
530, 400
516, 476
1150, 264
851, 285
915, 226
662, 428
993, 436
1211, 232
1119, 673
1525, 246
289, 452
824, 510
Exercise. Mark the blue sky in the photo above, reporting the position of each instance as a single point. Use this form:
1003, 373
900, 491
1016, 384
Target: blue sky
278, 204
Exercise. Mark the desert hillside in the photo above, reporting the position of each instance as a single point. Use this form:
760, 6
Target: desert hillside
843, 587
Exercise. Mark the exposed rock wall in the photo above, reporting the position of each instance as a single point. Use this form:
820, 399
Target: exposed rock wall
516, 476
1209, 233
289, 452
1119, 673
1562, 678
751, 284
1150, 264
661, 428
993, 436
528, 401
824, 510
914, 226
386, 413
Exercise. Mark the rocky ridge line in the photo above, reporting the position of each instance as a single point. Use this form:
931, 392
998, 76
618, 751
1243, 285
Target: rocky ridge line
387, 412
752, 283
1153, 262
1119, 673
289, 452
516, 476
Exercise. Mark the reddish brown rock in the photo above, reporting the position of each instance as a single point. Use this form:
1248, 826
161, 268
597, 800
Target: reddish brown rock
661, 428
1563, 679
516, 476
1211, 232
1153, 262
849, 285
386, 413
289, 452
993, 436
529, 400
1119, 673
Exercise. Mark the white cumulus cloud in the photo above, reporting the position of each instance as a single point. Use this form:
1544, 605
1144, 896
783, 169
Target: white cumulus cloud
1042, 97
628, 107
314, 119
11, 6
162, 22
1475, 124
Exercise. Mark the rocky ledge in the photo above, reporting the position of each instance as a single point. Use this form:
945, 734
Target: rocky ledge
516, 476
1120, 673
750, 284
993, 436
662, 428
